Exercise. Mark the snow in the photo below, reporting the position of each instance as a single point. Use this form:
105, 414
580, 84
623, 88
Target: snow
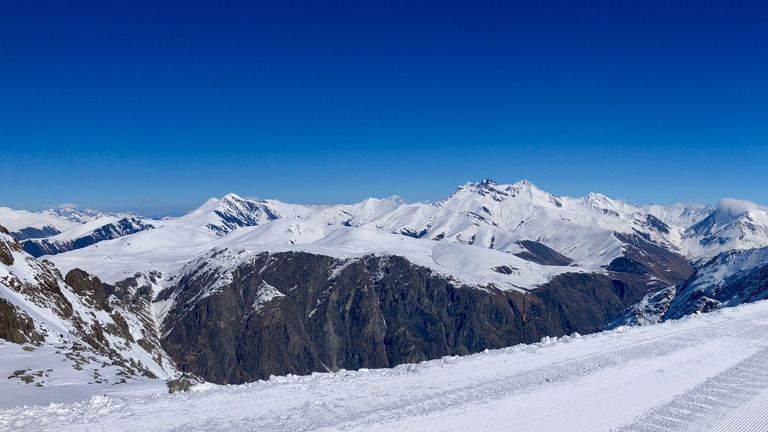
731, 264
478, 220
727, 229
703, 372
700, 372
465, 236
83, 229
481, 216
59, 382
680, 216
169, 252
266, 293
15, 220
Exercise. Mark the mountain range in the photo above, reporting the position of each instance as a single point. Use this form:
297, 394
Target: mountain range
241, 289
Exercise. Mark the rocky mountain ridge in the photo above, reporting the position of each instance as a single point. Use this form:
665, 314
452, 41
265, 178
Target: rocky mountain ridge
71, 319
240, 289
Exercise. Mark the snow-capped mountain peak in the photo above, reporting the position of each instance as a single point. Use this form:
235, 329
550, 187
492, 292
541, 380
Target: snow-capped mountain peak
733, 225
228, 213
488, 192
488, 215
599, 201
75, 214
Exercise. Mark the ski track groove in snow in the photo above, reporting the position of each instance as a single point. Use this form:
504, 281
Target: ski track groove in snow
715, 404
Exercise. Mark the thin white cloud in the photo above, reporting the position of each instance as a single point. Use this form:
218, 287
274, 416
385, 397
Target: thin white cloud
736, 206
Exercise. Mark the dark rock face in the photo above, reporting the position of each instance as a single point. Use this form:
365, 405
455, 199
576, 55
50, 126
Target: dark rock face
541, 254
745, 288
6, 257
15, 325
645, 262
412, 233
6, 248
134, 295
89, 288
585, 302
298, 312
657, 224
123, 227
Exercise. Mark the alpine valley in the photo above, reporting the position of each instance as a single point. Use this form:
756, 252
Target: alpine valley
239, 290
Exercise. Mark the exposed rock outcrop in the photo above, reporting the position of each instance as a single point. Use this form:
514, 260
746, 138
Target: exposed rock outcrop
298, 312
15, 325
728, 279
542, 254
645, 262
89, 288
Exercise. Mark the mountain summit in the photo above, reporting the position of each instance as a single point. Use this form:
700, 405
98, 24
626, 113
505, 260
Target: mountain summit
240, 289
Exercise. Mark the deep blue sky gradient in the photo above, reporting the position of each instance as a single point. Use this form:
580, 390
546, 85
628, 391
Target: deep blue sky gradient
157, 106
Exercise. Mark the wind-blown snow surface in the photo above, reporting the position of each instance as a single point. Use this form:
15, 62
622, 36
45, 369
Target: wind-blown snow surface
703, 372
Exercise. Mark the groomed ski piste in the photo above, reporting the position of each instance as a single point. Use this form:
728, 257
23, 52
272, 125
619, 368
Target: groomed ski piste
702, 372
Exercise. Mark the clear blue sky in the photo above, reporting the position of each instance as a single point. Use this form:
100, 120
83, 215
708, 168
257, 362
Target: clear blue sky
156, 106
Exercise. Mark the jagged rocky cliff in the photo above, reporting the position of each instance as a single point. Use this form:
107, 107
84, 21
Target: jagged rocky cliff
72, 320
297, 312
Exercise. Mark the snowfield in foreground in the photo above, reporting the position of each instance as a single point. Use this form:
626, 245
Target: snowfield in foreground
703, 372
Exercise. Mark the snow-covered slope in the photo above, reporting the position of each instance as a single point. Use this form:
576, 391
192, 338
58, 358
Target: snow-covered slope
497, 216
730, 252
24, 224
701, 373
169, 248
104, 228
232, 211
78, 215
729, 279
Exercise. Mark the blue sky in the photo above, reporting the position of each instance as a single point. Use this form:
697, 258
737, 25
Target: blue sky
157, 106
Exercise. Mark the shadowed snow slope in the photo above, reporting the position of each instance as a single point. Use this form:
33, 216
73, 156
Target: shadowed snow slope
105, 228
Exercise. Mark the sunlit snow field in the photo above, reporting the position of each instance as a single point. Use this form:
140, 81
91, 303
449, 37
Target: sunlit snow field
703, 372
